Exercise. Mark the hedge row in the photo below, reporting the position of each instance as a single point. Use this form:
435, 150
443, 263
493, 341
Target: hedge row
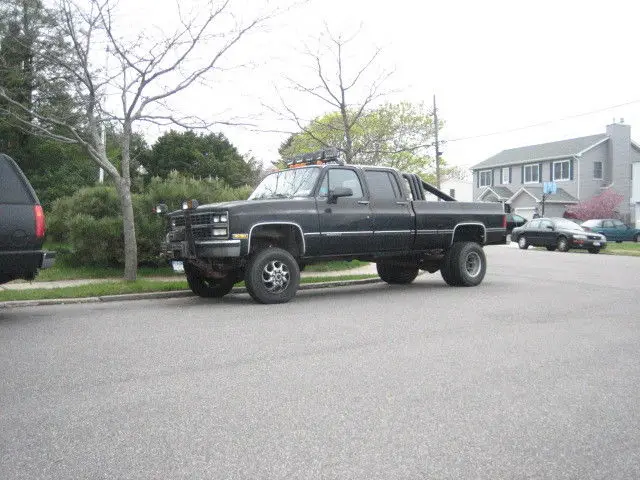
90, 222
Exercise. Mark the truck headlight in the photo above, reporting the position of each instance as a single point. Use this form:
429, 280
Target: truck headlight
219, 232
223, 218
216, 219
580, 237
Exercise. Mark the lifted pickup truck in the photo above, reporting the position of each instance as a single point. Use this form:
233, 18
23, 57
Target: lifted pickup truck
320, 209
22, 226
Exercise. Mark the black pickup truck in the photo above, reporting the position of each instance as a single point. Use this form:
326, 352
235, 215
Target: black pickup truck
320, 209
22, 226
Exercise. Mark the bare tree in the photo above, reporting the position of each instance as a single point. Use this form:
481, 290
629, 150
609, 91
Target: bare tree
338, 85
140, 79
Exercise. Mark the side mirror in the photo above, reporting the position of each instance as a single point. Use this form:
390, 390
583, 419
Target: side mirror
550, 227
337, 193
161, 209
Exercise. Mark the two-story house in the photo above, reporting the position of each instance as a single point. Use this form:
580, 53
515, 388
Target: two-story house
580, 167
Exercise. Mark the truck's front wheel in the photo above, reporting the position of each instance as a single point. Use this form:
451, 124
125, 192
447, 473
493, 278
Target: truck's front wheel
464, 265
396, 274
208, 287
272, 276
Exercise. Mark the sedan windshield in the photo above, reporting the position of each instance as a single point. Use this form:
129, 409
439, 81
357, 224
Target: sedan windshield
568, 225
296, 182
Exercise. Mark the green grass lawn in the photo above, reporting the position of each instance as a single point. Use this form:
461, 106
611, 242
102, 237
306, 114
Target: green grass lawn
119, 287
336, 265
59, 271
630, 249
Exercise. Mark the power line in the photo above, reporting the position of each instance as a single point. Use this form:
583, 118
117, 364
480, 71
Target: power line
501, 132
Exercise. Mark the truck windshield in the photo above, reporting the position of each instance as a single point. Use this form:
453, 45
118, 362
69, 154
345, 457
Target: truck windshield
296, 182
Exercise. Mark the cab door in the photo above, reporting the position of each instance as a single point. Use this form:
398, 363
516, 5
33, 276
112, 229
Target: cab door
393, 216
346, 225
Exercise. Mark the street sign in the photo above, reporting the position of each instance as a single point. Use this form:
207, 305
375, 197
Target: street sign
549, 188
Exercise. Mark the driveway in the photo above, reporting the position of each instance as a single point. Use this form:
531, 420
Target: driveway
534, 374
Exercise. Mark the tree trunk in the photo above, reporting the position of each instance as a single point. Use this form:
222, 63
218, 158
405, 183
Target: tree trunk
129, 228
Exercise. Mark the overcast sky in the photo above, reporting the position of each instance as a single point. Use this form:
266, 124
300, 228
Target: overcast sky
493, 65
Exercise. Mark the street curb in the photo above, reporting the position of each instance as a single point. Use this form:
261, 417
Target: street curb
171, 294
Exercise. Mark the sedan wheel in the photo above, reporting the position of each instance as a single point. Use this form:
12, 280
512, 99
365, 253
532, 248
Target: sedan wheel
637, 238
563, 244
522, 243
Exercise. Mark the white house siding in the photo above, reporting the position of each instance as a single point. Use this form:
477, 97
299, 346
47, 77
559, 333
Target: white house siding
464, 190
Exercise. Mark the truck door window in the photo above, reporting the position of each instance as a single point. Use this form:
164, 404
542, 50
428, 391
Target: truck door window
341, 177
382, 185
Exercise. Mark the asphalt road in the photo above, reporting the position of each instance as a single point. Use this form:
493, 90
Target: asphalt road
534, 374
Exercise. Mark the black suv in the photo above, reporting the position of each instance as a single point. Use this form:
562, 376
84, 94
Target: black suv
22, 226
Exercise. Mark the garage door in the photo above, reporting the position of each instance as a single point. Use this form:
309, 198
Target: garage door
526, 212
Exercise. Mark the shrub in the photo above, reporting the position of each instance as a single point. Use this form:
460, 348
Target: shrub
91, 223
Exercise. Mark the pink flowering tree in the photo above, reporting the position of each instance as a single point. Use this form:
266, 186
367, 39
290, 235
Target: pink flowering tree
600, 206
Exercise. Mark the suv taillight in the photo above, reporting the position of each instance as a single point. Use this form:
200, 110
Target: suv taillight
504, 221
40, 225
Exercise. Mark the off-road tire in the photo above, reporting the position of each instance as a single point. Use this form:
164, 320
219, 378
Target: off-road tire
464, 265
272, 275
396, 274
208, 287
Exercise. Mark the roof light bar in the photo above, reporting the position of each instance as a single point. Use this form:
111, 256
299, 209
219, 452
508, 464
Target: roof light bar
319, 157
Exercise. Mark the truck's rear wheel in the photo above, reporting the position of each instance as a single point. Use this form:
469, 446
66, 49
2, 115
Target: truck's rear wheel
396, 274
208, 287
272, 276
464, 265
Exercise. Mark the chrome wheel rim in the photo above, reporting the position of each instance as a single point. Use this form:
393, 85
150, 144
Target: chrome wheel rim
276, 276
522, 241
562, 244
473, 264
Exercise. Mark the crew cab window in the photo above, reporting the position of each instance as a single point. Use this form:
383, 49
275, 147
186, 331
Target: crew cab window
382, 185
12, 187
341, 177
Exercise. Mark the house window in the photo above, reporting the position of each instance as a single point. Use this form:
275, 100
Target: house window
597, 170
505, 176
561, 170
485, 178
532, 173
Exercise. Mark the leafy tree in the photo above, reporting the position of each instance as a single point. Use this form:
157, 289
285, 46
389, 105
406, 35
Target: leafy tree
199, 156
395, 135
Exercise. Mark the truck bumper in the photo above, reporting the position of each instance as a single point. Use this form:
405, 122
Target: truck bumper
204, 249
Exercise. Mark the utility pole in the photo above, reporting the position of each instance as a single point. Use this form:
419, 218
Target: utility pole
435, 121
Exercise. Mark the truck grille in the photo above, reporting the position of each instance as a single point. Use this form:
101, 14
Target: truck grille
202, 226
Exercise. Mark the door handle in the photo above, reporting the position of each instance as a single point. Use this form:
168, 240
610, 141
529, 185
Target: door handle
402, 203
363, 202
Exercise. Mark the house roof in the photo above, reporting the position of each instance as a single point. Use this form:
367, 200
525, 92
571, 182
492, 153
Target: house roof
546, 151
561, 195
501, 193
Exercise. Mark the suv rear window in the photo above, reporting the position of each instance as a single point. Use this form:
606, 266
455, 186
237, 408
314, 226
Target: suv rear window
12, 186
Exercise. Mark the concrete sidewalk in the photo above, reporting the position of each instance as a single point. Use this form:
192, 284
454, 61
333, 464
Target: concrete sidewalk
369, 269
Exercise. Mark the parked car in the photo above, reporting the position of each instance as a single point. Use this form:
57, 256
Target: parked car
613, 229
22, 226
514, 221
557, 233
